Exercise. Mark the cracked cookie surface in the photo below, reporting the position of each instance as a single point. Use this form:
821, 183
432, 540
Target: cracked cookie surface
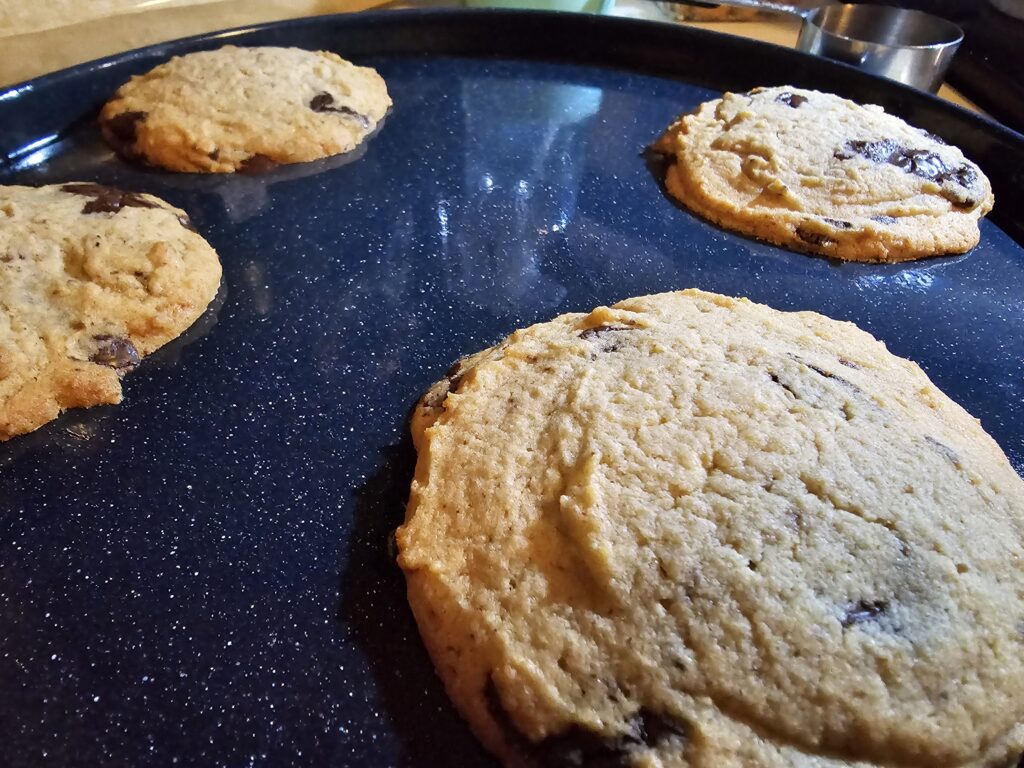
690, 530
92, 279
816, 173
244, 109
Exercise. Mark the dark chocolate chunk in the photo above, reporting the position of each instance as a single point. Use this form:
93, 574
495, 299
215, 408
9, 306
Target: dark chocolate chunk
324, 102
257, 164
945, 450
111, 200
791, 99
107, 199
591, 333
919, 162
884, 219
213, 154
115, 352
812, 237
849, 363
579, 746
864, 610
122, 132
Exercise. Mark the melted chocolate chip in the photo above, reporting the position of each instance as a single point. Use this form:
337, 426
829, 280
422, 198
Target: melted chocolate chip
257, 164
213, 154
115, 352
107, 199
324, 102
122, 132
945, 450
579, 747
884, 219
919, 162
791, 99
864, 610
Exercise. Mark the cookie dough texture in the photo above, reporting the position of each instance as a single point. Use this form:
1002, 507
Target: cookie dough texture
244, 109
92, 279
820, 174
689, 530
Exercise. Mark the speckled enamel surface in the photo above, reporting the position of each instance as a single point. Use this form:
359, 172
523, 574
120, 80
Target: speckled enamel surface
200, 576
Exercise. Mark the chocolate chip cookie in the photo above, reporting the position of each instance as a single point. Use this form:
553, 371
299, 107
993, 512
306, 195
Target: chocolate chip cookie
92, 279
820, 174
690, 530
244, 109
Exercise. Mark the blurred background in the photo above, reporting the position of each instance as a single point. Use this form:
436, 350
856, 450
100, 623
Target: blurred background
46, 35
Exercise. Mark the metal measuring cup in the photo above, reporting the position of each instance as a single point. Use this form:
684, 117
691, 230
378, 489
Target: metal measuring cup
913, 47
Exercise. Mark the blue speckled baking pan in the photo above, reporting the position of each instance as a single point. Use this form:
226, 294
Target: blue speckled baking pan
200, 576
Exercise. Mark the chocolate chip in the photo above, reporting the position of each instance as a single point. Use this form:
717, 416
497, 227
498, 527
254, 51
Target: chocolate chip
257, 164
945, 450
884, 219
864, 610
324, 102
454, 376
919, 162
213, 154
115, 352
775, 379
599, 331
931, 136
791, 99
107, 199
849, 363
123, 131
814, 238
111, 200
835, 377
837, 223
592, 333
578, 746
656, 728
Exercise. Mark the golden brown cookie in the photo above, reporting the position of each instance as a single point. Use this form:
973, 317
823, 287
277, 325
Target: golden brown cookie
689, 530
92, 279
244, 109
820, 174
